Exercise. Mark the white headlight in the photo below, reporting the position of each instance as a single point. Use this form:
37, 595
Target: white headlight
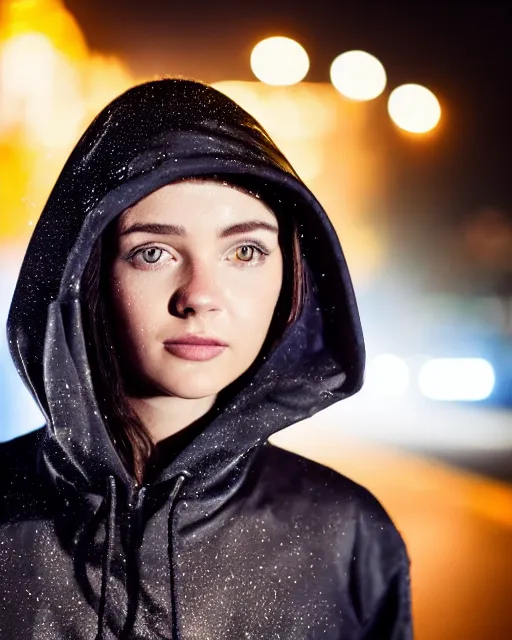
457, 379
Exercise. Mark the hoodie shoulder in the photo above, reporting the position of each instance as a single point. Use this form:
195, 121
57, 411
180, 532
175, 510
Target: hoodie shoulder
21, 451
316, 486
19, 476
343, 516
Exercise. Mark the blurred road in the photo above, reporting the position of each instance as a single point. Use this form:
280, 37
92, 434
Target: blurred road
457, 524
471, 437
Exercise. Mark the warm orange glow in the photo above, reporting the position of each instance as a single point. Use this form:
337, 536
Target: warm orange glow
414, 108
40, 90
50, 88
279, 61
48, 17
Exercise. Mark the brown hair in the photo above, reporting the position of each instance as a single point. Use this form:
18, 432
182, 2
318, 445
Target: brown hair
129, 435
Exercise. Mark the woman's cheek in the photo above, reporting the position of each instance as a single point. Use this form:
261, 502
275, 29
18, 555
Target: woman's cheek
133, 303
256, 302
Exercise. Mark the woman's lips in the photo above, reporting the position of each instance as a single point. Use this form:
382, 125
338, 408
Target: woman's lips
199, 350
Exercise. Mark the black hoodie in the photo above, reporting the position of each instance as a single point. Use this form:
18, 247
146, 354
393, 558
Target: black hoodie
235, 538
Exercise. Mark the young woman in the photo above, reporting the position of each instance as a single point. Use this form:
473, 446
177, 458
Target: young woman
183, 297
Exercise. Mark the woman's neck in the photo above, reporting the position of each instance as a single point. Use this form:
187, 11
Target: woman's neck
164, 416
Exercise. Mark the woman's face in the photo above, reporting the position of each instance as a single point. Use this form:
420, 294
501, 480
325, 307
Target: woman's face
194, 261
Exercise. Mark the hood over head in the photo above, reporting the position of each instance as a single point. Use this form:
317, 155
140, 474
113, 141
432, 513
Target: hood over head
152, 135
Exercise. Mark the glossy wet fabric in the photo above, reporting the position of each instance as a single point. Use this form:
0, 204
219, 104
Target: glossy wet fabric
235, 538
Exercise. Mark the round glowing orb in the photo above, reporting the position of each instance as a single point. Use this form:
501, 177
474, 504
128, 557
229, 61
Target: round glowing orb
279, 61
414, 108
358, 75
456, 379
388, 375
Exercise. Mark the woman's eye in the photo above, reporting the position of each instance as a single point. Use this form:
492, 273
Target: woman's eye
245, 253
248, 253
151, 255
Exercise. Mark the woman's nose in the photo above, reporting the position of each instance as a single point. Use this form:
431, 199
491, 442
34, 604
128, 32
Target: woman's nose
200, 292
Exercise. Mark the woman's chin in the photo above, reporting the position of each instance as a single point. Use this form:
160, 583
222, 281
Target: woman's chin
194, 388
191, 381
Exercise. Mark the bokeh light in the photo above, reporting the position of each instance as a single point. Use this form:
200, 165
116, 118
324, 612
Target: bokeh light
27, 63
388, 375
452, 379
279, 61
40, 89
414, 108
358, 75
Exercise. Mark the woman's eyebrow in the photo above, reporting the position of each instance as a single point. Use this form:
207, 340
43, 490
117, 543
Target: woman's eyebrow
247, 227
154, 227
178, 230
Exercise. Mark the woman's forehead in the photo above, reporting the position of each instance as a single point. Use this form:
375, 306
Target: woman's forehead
190, 203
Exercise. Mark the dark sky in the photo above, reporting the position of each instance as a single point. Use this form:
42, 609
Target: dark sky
461, 50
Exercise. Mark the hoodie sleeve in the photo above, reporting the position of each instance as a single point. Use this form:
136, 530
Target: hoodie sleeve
379, 585
392, 618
